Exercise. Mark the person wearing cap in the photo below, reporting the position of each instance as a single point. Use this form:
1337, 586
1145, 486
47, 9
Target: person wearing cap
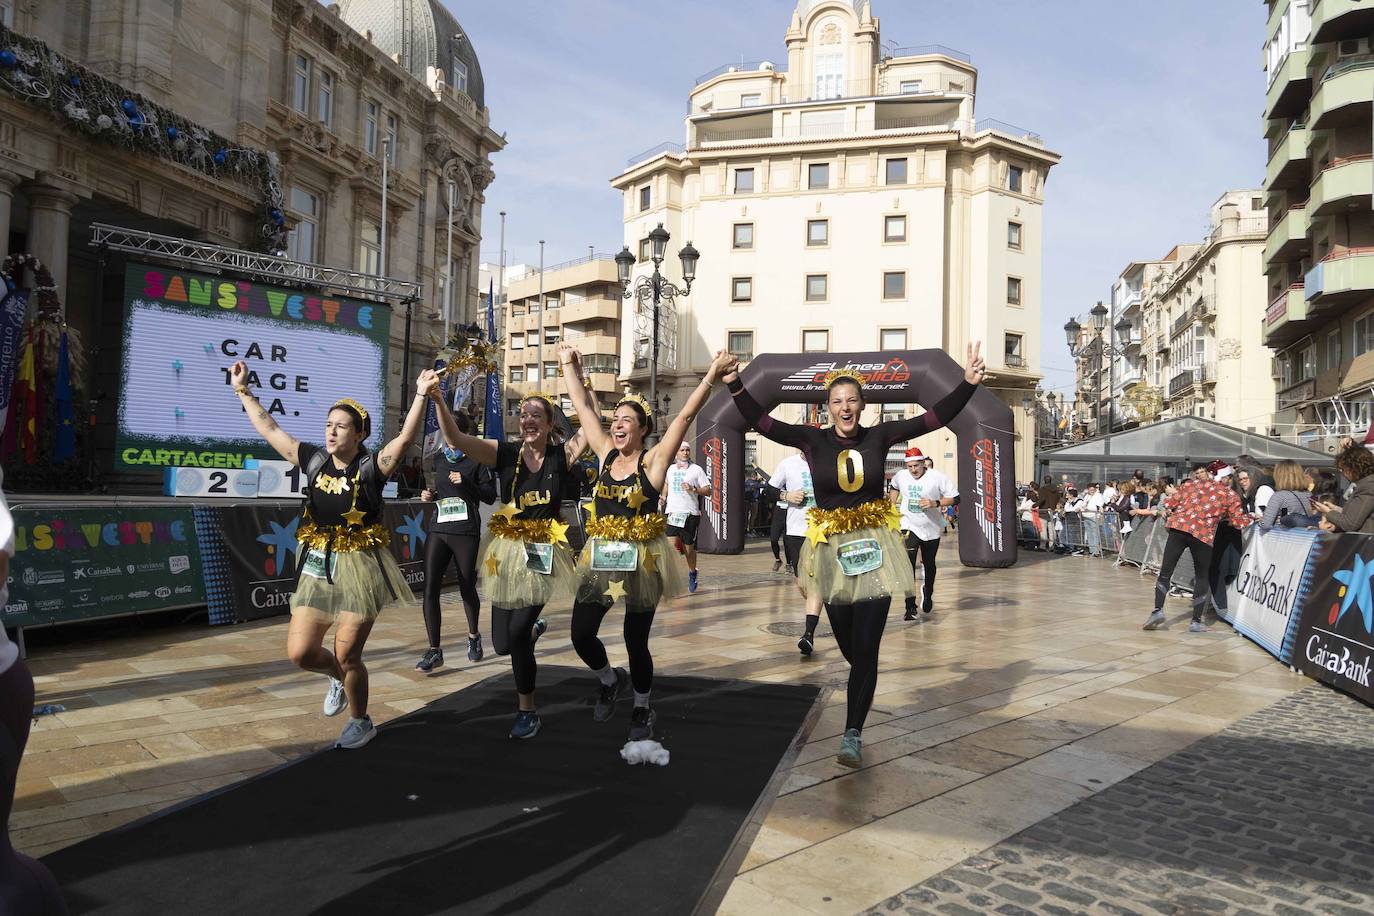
1195, 510
920, 494
345, 575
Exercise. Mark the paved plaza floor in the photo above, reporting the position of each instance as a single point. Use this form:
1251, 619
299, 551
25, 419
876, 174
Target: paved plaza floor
1027, 737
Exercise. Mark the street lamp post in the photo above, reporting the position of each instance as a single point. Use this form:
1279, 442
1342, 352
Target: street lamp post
1099, 349
655, 288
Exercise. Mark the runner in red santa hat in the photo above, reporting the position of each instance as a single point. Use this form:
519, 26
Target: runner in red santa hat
920, 494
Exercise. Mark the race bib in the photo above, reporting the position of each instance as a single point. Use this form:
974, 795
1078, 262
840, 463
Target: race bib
539, 557
314, 565
809, 501
677, 519
614, 556
859, 557
913, 500
453, 509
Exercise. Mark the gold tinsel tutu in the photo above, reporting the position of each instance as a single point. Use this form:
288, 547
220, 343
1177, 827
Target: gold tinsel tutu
661, 572
506, 581
819, 562
365, 583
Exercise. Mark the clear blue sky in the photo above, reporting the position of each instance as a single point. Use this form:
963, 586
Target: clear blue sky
1155, 106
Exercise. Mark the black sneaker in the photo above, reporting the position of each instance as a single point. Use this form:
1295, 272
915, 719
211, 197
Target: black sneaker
526, 724
806, 645
927, 606
642, 723
540, 626
475, 648
607, 695
777, 565
433, 658
911, 615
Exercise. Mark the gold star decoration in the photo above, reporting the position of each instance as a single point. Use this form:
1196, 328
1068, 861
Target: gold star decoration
493, 565
507, 511
894, 518
815, 533
354, 516
591, 511
558, 531
650, 561
636, 499
615, 590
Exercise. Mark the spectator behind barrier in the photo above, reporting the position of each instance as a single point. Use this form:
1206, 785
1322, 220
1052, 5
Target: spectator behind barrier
1357, 464
1289, 499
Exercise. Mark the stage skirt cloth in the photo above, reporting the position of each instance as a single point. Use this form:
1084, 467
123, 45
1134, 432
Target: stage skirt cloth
659, 571
363, 578
525, 563
855, 564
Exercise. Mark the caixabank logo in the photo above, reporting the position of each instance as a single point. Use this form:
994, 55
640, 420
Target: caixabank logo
1337, 643
281, 547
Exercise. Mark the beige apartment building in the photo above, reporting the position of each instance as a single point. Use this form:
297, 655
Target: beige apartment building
845, 198
321, 93
1319, 257
577, 301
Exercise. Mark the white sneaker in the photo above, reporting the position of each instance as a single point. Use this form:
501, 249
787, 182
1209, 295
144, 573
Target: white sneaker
335, 701
357, 733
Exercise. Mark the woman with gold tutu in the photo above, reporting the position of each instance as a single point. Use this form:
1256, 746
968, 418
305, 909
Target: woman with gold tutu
853, 554
345, 573
526, 559
628, 553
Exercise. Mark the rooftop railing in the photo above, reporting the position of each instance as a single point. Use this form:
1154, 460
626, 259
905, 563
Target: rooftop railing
665, 147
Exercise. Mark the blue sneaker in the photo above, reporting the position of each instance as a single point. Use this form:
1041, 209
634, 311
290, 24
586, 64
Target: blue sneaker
692, 581
356, 733
850, 750
540, 626
526, 724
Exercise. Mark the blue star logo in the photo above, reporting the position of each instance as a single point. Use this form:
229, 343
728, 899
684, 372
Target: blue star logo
283, 539
413, 528
1357, 591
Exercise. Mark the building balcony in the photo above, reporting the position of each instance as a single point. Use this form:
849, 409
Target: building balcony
590, 310
595, 344
1189, 379
1286, 319
1287, 241
1181, 323
1344, 184
1344, 94
1130, 303
1288, 163
1335, 20
1297, 393
1290, 89
1340, 279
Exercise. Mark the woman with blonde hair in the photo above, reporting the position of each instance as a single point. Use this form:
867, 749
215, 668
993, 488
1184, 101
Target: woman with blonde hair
1290, 494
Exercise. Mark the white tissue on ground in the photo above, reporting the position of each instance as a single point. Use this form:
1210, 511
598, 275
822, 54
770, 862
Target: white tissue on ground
644, 752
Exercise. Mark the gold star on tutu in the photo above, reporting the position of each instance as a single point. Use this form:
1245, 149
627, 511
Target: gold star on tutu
507, 511
815, 532
354, 516
615, 590
558, 531
636, 499
493, 565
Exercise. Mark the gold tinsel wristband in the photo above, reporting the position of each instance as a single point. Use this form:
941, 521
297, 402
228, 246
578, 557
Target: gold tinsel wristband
340, 538
876, 514
639, 528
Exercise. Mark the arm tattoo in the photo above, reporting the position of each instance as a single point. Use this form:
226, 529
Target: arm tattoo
385, 462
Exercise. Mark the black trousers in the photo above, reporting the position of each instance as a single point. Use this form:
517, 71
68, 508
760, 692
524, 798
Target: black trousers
26, 886
858, 632
775, 533
512, 634
439, 550
586, 627
926, 550
1202, 561
792, 545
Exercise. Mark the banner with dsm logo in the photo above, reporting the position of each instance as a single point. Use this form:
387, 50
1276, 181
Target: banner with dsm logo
78, 564
1267, 595
1335, 638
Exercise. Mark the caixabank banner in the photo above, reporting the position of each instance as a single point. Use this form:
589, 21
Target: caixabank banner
1335, 638
1271, 586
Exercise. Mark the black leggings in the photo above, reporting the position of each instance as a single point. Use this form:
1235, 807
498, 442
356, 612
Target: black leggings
512, 633
858, 632
791, 545
586, 623
26, 886
776, 532
439, 549
1202, 562
927, 550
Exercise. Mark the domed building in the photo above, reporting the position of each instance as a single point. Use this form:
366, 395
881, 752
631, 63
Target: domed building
423, 37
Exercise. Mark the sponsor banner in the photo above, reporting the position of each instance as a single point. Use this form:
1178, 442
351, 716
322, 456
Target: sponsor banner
1267, 595
1335, 637
251, 554
83, 563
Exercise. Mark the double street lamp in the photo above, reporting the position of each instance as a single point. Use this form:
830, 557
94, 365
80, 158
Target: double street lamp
654, 290
1095, 349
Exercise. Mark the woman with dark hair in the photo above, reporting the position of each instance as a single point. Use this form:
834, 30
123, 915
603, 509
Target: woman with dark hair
460, 483
1357, 464
526, 558
345, 576
628, 553
854, 555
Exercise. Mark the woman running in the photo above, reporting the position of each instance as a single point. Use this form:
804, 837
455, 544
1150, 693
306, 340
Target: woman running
853, 553
460, 483
526, 558
628, 554
345, 575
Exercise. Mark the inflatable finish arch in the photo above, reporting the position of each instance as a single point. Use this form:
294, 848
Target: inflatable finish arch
987, 485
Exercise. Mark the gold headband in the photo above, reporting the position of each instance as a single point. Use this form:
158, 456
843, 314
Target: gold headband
352, 405
540, 396
637, 400
848, 375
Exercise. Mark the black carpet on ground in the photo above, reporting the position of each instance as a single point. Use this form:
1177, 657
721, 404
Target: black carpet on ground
442, 813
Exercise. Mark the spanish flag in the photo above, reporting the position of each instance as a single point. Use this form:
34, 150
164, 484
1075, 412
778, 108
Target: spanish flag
26, 399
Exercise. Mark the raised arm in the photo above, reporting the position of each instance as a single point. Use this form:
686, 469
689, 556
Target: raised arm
285, 444
754, 415
589, 430
946, 409
658, 458
390, 454
483, 451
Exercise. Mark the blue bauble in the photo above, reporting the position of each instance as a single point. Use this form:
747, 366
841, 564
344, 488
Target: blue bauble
276, 216
221, 157
75, 81
172, 132
7, 58
129, 107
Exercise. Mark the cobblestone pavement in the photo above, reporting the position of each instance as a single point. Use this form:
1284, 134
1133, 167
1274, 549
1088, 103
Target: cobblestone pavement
1271, 815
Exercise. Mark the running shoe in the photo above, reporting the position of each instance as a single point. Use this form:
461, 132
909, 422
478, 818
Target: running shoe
540, 626
927, 606
791, 570
526, 724
691, 581
608, 694
642, 721
1197, 626
912, 616
335, 701
850, 749
433, 658
1155, 621
806, 644
475, 648
357, 733
777, 565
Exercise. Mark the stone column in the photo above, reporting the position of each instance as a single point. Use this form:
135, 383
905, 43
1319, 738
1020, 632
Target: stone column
7, 182
50, 217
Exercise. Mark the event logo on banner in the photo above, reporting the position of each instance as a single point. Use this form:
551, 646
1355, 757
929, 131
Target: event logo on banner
1335, 639
713, 453
986, 505
12, 310
1264, 600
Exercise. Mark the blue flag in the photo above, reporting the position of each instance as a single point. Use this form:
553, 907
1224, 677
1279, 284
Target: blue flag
64, 431
491, 423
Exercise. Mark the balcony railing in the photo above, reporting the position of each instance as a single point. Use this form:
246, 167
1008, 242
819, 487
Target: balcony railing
1181, 323
651, 152
1190, 378
1002, 127
1013, 361
744, 66
924, 50
1204, 307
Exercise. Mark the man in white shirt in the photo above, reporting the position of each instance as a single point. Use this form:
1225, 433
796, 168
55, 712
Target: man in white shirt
792, 480
1091, 506
682, 491
920, 493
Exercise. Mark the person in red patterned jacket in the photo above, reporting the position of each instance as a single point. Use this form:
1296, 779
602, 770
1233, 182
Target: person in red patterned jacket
1195, 509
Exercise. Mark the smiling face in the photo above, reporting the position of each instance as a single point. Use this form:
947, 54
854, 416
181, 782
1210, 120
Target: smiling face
341, 433
684, 454
1243, 478
627, 428
845, 403
535, 422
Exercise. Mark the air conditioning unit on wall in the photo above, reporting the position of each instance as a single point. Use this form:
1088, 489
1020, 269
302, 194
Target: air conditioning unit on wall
1350, 47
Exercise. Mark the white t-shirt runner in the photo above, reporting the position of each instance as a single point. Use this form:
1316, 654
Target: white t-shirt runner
793, 473
679, 501
926, 524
